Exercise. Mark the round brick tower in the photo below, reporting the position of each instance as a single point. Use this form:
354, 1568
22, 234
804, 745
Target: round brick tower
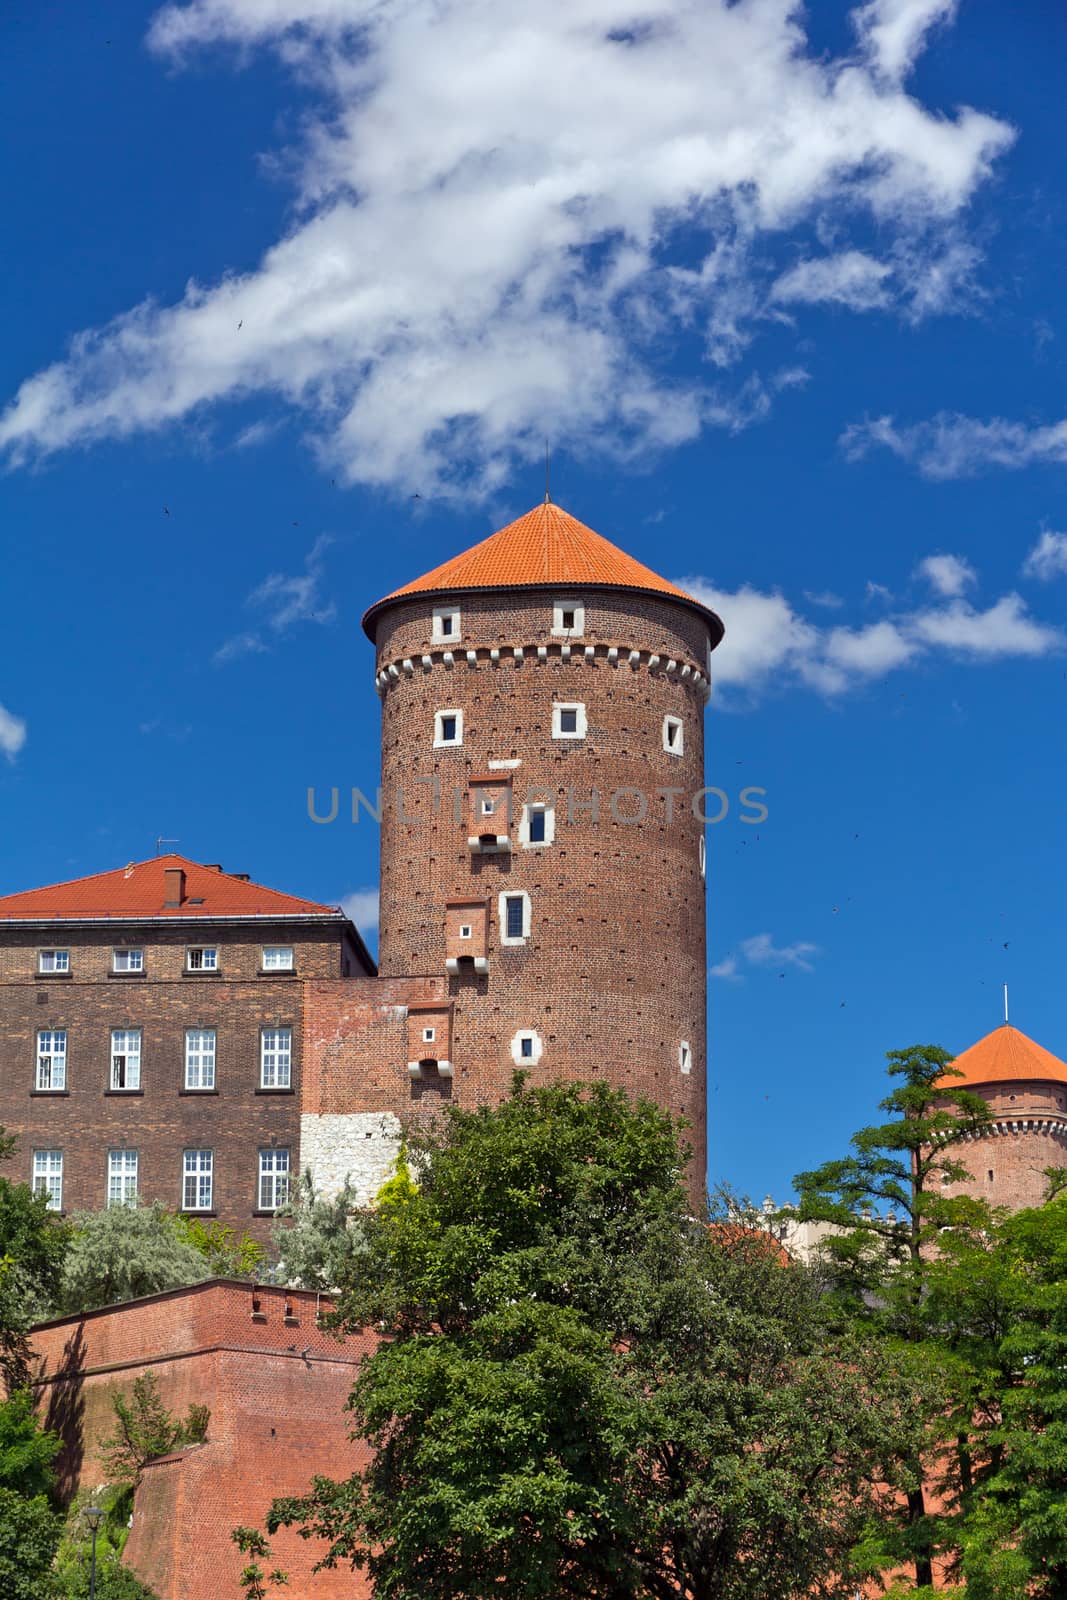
1025, 1087
542, 838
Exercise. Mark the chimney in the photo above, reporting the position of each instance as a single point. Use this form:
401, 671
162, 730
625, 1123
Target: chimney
173, 886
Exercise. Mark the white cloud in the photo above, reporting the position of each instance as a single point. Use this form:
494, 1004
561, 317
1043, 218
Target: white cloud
761, 951
461, 281
1048, 558
726, 970
361, 907
770, 646
286, 601
825, 598
950, 445
949, 575
12, 733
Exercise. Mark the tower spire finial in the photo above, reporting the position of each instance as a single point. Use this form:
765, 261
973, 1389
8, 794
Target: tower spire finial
1005, 1002
548, 495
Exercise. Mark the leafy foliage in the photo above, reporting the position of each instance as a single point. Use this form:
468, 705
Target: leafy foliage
254, 1578
584, 1393
319, 1241
113, 1582
26, 1451
32, 1247
29, 1538
227, 1253
123, 1253
146, 1429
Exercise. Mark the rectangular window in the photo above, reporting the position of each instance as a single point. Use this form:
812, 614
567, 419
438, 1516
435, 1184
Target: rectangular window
273, 1179
278, 958
526, 1046
465, 930
53, 961
125, 1058
673, 735
52, 1059
276, 1058
537, 825
202, 958
121, 1177
429, 1035
568, 720
447, 728
198, 1171
514, 923
129, 961
568, 617
446, 627
48, 1176
199, 1058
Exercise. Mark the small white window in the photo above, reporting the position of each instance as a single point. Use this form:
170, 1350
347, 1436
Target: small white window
537, 826
446, 624
429, 1035
202, 958
273, 1179
447, 728
673, 736
129, 961
276, 1058
685, 1056
568, 720
465, 931
514, 918
198, 1180
199, 1058
51, 1059
703, 853
53, 961
526, 1048
277, 958
121, 1177
568, 618
48, 1176
125, 1058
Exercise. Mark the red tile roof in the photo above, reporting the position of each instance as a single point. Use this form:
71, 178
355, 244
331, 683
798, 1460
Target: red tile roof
1006, 1056
545, 548
140, 890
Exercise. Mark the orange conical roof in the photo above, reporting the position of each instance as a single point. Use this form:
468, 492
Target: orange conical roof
1006, 1056
545, 548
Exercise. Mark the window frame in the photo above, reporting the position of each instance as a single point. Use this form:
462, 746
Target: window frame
439, 740
203, 1060
195, 1174
43, 1182
531, 1037
685, 1057
545, 809
269, 950
127, 952
678, 747
54, 971
429, 1035
580, 721
438, 634
125, 1034
51, 1087
521, 895
122, 1176
559, 609
279, 1178
284, 1056
466, 930
205, 950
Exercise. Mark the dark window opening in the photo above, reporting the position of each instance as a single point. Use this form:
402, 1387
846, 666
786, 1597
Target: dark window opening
537, 826
514, 917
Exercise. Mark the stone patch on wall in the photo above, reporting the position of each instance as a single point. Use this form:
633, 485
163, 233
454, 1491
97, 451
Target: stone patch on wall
362, 1145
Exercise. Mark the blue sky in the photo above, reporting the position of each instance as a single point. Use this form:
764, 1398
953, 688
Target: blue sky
783, 292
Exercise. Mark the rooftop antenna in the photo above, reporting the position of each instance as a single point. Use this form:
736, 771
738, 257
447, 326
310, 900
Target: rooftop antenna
1005, 1002
548, 496
160, 842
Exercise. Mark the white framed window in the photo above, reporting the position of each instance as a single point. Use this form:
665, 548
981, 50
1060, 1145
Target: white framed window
125, 1058
199, 1058
48, 1176
446, 624
447, 728
702, 851
429, 1035
488, 806
202, 958
51, 1059
273, 1179
127, 961
122, 1168
53, 961
537, 825
198, 1179
685, 1056
568, 719
526, 1048
515, 913
568, 618
673, 736
277, 958
465, 930
275, 1058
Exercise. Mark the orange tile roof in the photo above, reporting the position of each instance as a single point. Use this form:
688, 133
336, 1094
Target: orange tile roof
1006, 1056
139, 890
546, 547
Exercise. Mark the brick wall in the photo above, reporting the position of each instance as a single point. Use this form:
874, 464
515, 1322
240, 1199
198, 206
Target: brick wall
1007, 1161
276, 1386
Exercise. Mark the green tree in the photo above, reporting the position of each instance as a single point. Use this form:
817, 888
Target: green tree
254, 1577
146, 1429
583, 1393
123, 1253
319, 1241
887, 1207
227, 1253
30, 1527
32, 1247
113, 1581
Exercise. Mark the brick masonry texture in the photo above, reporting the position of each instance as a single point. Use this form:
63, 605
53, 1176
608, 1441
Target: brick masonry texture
1007, 1162
276, 1383
612, 977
